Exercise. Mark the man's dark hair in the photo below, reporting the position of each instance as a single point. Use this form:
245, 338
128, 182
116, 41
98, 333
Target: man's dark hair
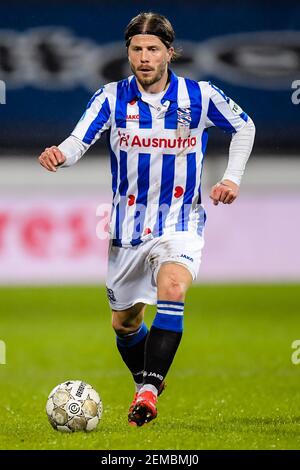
151, 23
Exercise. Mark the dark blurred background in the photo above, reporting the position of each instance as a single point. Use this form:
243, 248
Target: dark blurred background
54, 55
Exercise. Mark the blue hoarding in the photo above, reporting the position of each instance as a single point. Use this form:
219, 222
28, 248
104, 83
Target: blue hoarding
54, 56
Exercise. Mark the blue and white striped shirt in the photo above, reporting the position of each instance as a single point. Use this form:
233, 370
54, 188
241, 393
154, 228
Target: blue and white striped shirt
156, 152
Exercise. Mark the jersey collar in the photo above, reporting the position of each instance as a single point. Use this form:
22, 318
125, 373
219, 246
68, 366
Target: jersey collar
170, 95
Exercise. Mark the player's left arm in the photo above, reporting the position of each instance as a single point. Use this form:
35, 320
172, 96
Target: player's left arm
226, 114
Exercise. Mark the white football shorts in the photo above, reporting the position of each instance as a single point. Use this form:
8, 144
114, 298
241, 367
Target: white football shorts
132, 271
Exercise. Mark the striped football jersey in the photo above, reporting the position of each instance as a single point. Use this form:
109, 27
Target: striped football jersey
156, 152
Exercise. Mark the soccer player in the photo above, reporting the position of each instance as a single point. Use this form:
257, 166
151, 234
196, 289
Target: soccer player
157, 127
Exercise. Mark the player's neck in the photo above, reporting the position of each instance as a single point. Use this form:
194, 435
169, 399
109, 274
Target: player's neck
156, 87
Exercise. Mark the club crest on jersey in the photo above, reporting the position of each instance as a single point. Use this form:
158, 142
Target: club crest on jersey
184, 119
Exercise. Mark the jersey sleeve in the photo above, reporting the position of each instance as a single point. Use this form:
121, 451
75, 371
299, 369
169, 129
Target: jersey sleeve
95, 120
223, 112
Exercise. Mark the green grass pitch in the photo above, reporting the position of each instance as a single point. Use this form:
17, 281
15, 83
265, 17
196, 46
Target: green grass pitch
232, 384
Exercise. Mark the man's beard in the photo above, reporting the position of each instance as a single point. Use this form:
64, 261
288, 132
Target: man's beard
147, 81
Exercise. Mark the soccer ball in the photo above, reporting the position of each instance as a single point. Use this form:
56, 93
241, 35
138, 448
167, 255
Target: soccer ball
74, 406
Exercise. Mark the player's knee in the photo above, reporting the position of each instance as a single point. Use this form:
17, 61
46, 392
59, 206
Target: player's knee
172, 290
119, 327
124, 326
120, 331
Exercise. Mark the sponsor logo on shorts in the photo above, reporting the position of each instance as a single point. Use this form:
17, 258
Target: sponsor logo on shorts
111, 295
187, 257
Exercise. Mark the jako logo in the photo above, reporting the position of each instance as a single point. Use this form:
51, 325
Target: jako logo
153, 374
187, 257
132, 117
155, 142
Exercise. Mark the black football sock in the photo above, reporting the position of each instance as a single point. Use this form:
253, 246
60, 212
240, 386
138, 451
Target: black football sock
162, 342
132, 349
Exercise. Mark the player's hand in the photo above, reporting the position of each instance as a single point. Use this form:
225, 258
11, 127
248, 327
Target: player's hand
51, 158
225, 191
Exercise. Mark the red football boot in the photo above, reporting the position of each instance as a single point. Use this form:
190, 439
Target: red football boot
143, 407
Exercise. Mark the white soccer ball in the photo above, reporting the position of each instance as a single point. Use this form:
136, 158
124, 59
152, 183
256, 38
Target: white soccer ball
74, 406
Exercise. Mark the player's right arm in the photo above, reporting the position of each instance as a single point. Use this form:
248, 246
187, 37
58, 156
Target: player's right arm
95, 120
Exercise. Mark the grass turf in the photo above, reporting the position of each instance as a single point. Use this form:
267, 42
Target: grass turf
232, 384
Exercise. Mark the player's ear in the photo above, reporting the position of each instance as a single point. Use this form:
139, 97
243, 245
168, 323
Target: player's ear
170, 53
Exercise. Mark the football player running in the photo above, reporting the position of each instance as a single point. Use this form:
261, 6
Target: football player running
157, 124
